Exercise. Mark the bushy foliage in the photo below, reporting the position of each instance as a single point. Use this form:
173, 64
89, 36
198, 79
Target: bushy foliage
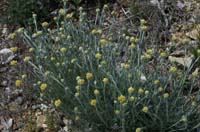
106, 81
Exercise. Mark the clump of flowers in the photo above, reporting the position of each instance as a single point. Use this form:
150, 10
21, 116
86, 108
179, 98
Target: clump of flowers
108, 76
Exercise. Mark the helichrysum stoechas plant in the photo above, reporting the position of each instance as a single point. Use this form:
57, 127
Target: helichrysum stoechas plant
99, 88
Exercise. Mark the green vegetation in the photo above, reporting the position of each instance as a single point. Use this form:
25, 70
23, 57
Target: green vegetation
107, 80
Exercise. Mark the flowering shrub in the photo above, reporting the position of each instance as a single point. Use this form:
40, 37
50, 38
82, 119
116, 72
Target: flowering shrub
105, 81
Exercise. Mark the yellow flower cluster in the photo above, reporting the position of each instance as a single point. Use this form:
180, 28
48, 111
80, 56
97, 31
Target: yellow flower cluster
37, 34
132, 98
145, 109
45, 24
126, 66
13, 63
12, 36
173, 69
31, 50
93, 102
89, 76
98, 56
18, 83
105, 80
198, 51
165, 95
195, 73
96, 92
69, 15
150, 51
14, 49
43, 86
156, 82
132, 46
103, 42
131, 90
163, 54
143, 26
94, 31
62, 12
140, 91
194, 103
160, 89
27, 58
121, 99
57, 103
138, 129
80, 81
117, 112
63, 50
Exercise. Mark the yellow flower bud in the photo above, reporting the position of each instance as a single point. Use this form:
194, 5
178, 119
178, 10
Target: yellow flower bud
126, 66
132, 46
96, 92
89, 76
27, 58
160, 89
173, 69
45, 24
103, 42
31, 49
138, 130
165, 95
93, 102
145, 109
13, 63
130, 90
117, 112
81, 82
14, 49
18, 83
63, 50
156, 82
62, 12
132, 98
43, 86
98, 56
194, 103
140, 91
105, 80
57, 103
121, 99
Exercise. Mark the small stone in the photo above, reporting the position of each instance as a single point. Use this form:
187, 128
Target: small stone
6, 55
4, 83
13, 107
41, 121
66, 129
19, 100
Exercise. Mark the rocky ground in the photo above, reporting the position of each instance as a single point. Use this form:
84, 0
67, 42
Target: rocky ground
20, 113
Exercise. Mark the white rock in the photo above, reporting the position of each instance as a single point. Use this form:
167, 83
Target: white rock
66, 129
6, 55
143, 78
154, 2
180, 4
7, 124
185, 61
